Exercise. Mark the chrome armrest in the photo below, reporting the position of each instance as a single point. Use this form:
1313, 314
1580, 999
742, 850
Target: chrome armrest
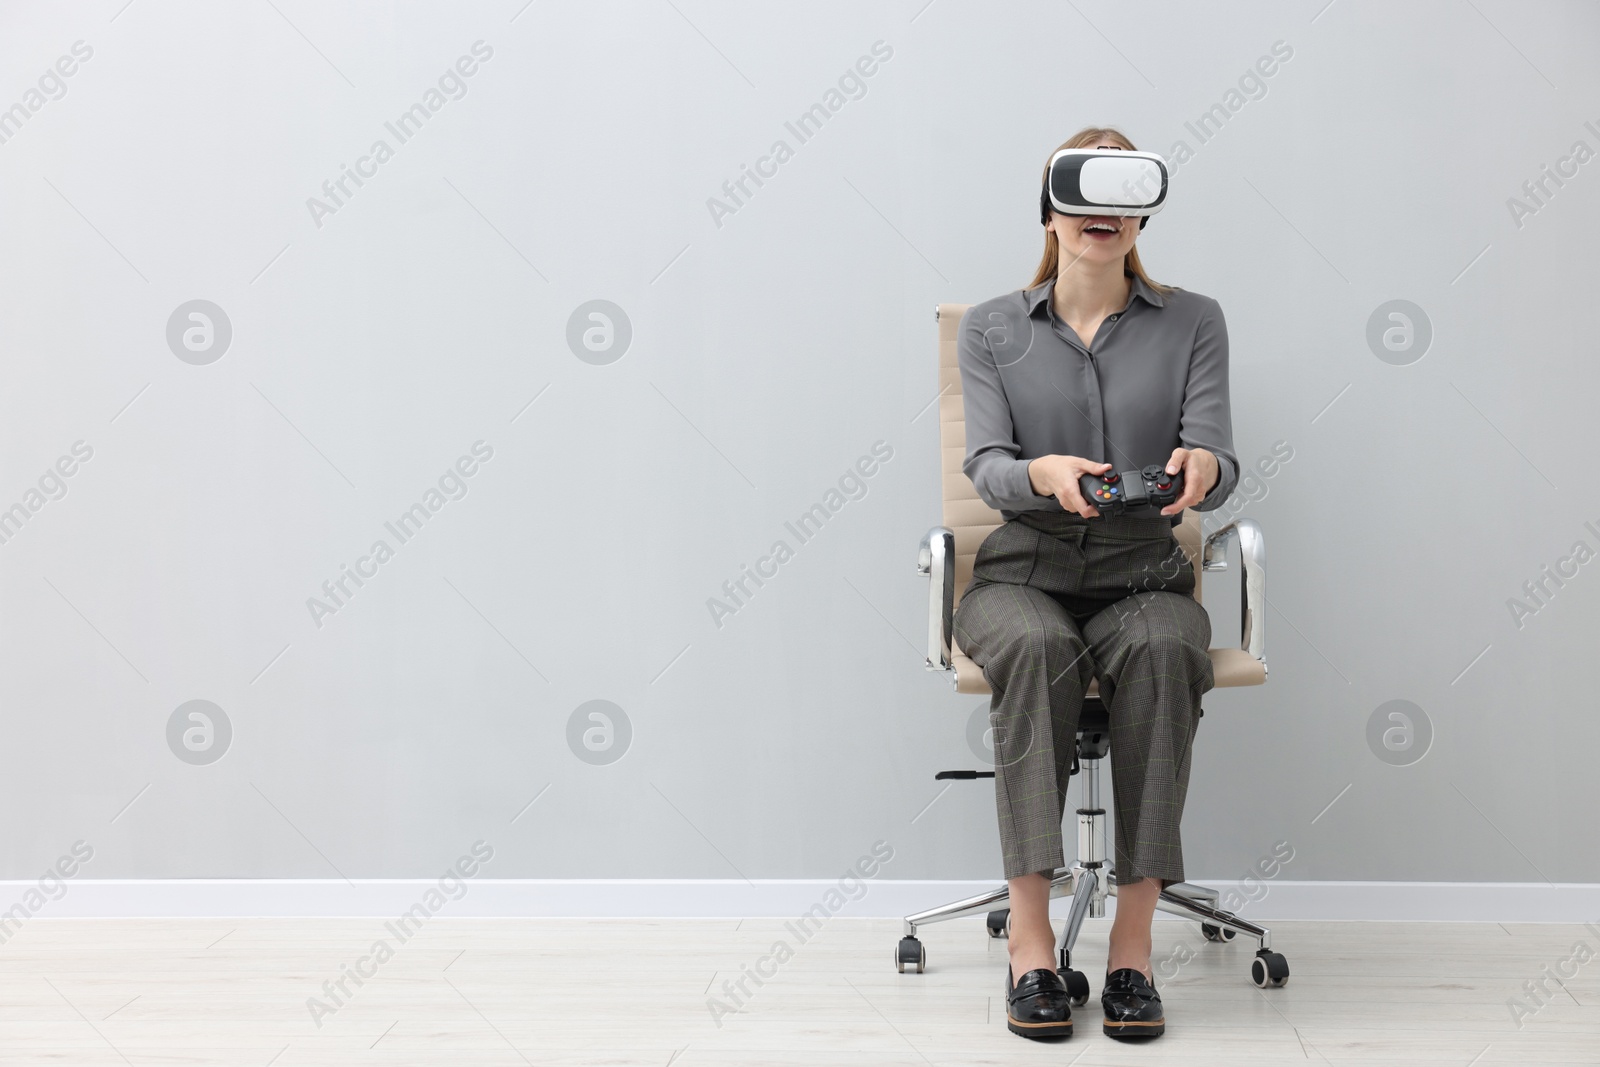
936, 558
1253, 586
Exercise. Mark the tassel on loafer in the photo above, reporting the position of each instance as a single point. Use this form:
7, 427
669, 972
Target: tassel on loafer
1039, 1005
1132, 1006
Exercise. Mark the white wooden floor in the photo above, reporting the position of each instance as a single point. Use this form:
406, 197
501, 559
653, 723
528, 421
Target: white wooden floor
571, 992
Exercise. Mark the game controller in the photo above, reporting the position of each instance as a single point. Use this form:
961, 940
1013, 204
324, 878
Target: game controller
1146, 490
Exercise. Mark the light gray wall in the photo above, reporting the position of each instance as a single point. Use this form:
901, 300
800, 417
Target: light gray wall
771, 348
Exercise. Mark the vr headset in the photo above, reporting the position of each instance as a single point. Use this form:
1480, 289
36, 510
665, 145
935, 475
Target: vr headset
1104, 181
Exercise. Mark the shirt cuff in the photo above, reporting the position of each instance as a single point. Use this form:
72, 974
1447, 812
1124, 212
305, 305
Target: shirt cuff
1024, 486
1227, 478
1016, 489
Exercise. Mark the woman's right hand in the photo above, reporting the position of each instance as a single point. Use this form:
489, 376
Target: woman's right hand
1058, 476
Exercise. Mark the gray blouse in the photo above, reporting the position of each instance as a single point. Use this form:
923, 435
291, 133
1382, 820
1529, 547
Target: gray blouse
1155, 379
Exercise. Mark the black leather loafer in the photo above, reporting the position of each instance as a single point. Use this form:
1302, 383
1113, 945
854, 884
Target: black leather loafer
1131, 1005
1039, 1005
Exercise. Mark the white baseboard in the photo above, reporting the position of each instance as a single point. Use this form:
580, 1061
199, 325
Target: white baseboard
673, 897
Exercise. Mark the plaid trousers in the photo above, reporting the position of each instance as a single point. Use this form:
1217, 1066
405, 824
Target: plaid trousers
1055, 601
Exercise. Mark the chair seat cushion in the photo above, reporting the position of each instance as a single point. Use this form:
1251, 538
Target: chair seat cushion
1230, 666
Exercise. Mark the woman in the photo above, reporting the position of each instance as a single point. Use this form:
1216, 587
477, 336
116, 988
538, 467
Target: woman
1092, 368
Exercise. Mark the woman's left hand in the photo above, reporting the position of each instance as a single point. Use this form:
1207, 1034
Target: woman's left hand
1200, 473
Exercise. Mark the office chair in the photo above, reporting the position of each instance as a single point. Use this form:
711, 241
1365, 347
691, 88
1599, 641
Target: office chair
946, 557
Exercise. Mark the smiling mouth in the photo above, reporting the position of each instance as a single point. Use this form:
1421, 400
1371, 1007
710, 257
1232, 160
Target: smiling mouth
1102, 229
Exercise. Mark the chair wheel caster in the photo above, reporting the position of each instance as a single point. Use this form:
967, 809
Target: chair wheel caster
1269, 970
998, 923
1077, 985
910, 954
1217, 933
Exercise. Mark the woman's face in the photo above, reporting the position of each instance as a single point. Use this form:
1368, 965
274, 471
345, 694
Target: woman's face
1095, 240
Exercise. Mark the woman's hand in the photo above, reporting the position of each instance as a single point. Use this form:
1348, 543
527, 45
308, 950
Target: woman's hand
1200, 474
1058, 476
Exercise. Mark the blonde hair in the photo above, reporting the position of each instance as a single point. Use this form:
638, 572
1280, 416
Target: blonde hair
1050, 263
